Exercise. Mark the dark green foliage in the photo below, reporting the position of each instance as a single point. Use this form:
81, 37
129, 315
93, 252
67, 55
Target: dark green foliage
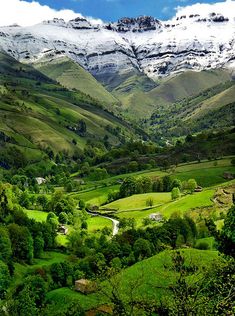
28, 297
142, 249
38, 246
4, 279
203, 245
5, 245
226, 238
22, 243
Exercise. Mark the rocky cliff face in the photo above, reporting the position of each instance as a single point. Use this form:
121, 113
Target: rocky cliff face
141, 44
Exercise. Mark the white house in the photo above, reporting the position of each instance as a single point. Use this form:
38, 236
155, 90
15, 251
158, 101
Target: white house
40, 180
156, 217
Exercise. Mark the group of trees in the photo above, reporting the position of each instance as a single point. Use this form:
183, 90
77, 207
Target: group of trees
21, 239
140, 185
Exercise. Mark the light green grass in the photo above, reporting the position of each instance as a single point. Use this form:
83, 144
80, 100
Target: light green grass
225, 162
73, 76
49, 258
159, 268
186, 203
98, 196
39, 216
219, 224
147, 279
180, 206
189, 83
63, 296
61, 240
96, 223
138, 201
137, 215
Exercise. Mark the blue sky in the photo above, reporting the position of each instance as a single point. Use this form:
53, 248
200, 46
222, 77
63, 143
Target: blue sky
111, 10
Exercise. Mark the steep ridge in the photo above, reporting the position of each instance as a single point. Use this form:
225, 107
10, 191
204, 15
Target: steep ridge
210, 109
72, 76
189, 83
144, 45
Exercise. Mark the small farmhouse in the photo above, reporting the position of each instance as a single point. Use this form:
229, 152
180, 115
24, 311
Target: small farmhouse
85, 286
156, 217
63, 230
40, 180
198, 189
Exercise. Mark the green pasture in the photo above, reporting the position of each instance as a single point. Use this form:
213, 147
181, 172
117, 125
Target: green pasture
136, 280
39, 216
97, 196
138, 201
97, 223
186, 203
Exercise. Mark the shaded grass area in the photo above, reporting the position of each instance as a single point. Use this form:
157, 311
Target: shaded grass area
47, 259
210, 241
205, 176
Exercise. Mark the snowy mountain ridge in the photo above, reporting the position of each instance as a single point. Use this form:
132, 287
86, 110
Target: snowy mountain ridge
142, 44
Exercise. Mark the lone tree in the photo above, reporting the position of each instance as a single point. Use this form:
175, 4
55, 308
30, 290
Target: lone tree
192, 185
149, 202
175, 193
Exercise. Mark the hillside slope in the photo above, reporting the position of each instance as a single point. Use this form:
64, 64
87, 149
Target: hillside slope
37, 113
210, 109
72, 76
187, 84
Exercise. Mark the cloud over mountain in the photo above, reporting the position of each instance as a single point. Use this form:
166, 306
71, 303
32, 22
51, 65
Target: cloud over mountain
29, 13
226, 8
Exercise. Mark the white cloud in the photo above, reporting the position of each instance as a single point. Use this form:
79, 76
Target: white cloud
30, 13
227, 8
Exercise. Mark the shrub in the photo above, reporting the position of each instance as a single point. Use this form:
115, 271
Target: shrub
202, 245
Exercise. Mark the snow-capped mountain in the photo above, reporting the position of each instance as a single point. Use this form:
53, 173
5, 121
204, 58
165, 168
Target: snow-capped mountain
143, 44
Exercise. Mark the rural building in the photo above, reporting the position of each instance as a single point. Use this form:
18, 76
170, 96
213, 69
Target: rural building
156, 217
63, 230
198, 189
85, 286
40, 180
228, 176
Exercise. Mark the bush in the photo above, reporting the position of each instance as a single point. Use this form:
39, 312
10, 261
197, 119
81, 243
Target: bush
202, 245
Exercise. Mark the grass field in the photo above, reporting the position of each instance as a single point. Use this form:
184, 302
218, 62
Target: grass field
137, 276
138, 201
205, 176
187, 202
96, 196
64, 296
137, 215
39, 216
136, 280
96, 223
49, 258
135, 205
187, 84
